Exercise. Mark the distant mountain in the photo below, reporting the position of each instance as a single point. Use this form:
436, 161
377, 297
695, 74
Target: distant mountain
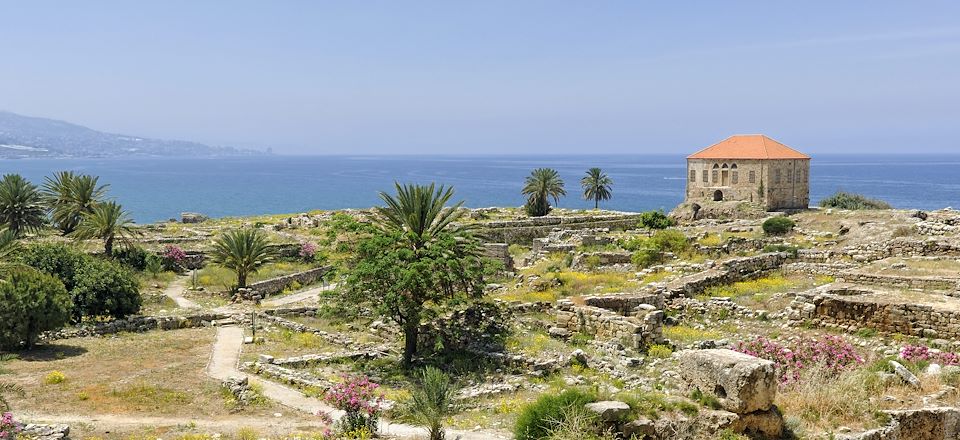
25, 136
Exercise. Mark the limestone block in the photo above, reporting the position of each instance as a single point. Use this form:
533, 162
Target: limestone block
742, 383
609, 410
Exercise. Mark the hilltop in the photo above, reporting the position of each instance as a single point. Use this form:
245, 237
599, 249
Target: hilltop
26, 136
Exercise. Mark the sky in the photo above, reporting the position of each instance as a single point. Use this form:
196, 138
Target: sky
525, 77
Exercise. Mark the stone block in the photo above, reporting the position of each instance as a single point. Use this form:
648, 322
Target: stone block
742, 383
609, 410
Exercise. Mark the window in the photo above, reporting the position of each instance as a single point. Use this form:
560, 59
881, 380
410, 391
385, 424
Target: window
789, 176
693, 175
715, 174
734, 177
706, 174
776, 176
733, 167
753, 177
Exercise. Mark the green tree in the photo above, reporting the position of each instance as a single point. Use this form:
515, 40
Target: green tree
108, 222
242, 251
540, 186
596, 186
104, 288
8, 247
69, 196
417, 256
30, 303
433, 401
21, 205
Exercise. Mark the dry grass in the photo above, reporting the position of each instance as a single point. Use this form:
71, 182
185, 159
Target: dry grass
283, 343
573, 284
156, 373
917, 267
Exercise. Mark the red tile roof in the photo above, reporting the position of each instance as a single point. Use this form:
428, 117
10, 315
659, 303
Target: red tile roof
748, 146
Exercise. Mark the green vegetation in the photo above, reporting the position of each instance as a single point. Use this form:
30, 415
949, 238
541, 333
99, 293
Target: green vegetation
792, 250
596, 186
108, 222
659, 351
419, 257
432, 402
243, 251
541, 185
778, 225
21, 205
30, 303
538, 419
655, 220
851, 201
70, 196
650, 251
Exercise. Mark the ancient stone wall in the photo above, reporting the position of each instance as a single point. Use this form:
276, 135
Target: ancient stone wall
852, 313
138, 324
637, 331
730, 271
499, 252
624, 304
524, 231
276, 285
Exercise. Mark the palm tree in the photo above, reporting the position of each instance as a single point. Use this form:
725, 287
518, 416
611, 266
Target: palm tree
596, 186
21, 205
69, 196
8, 388
108, 222
541, 185
8, 246
243, 251
419, 212
433, 401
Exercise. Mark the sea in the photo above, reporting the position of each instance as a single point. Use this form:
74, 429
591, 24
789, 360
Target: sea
157, 189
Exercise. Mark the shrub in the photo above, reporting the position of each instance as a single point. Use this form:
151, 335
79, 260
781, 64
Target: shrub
832, 354
538, 419
361, 402
650, 251
54, 378
778, 225
9, 428
659, 351
432, 402
56, 259
104, 288
154, 265
308, 251
655, 220
134, 257
851, 201
173, 257
31, 302
914, 353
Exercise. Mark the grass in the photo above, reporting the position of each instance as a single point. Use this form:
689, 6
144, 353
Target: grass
150, 374
537, 344
282, 343
216, 277
682, 334
758, 293
572, 284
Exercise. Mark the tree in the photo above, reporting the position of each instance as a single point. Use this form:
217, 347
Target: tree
596, 186
104, 288
417, 256
21, 205
69, 196
108, 222
8, 246
30, 303
242, 251
433, 401
541, 185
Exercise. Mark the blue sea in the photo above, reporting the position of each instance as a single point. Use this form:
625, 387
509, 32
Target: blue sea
157, 189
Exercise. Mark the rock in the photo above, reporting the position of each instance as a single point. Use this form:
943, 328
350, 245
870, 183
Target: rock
45, 432
579, 356
933, 370
609, 410
265, 358
905, 374
640, 428
742, 383
760, 424
193, 217
558, 332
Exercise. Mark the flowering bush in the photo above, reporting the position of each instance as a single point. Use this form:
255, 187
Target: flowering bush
915, 353
832, 353
9, 428
173, 257
360, 399
308, 251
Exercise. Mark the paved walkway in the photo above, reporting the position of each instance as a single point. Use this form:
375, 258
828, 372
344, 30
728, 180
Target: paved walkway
297, 297
225, 359
175, 290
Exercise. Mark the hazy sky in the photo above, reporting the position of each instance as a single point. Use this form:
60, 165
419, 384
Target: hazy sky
492, 76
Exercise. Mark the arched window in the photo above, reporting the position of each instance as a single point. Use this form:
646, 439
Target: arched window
715, 166
724, 166
733, 167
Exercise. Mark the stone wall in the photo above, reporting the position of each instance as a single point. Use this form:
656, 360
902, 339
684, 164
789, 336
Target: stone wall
499, 252
624, 304
265, 288
942, 423
855, 312
140, 324
730, 271
640, 330
847, 273
524, 231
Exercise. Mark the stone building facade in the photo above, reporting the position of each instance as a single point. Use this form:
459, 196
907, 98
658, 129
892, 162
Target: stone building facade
751, 168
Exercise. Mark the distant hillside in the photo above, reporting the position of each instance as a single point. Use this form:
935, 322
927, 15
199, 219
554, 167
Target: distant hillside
25, 136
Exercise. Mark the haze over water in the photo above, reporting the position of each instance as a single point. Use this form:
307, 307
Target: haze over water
157, 189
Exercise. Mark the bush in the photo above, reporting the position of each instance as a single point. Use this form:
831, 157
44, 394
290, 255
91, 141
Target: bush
58, 259
845, 200
134, 257
655, 220
659, 351
778, 225
650, 251
831, 354
30, 303
537, 208
538, 419
54, 378
104, 288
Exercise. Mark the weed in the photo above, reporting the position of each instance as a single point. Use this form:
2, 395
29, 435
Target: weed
54, 378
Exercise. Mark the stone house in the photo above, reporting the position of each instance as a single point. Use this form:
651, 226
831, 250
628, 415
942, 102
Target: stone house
750, 168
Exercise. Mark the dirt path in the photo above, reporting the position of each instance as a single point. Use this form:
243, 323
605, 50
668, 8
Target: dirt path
224, 361
297, 297
119, 422
175, 291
